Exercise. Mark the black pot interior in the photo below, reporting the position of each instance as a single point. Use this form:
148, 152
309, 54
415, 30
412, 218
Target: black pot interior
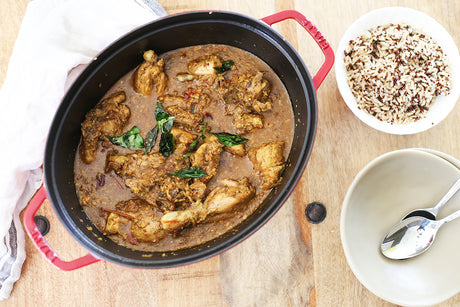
124, 55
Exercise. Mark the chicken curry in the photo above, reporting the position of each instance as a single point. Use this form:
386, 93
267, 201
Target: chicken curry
184, 147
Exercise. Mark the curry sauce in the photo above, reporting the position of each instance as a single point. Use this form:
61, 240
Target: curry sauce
136, 196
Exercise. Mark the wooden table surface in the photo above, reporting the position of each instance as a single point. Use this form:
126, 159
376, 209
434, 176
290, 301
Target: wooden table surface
289, 262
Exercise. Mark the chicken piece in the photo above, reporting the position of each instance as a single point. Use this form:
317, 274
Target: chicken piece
207, 156
204, 65
192, 100
145, 176
162, 80
268, 161
173, 100
112, 225
198, 189
145, 224
109, 117
183, 140
246, 93
150, 73
176, 161
143, 188
138, 171
248, 122
162, 191
177, 220
175, 189
237, 150
222, 199
147, 228
260, 89
133, 164
184, 117
197, 100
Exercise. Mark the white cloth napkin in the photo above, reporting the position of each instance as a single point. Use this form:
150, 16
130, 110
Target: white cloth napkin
55, 37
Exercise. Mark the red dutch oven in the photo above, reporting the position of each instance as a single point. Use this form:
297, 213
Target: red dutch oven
169, 33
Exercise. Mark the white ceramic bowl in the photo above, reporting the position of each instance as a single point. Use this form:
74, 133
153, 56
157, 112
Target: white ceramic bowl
442, 105
380, 195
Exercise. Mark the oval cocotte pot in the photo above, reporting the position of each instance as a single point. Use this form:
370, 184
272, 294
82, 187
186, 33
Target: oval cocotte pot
169, 33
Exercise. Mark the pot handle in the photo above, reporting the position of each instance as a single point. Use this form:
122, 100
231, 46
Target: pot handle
40, 242
317, 36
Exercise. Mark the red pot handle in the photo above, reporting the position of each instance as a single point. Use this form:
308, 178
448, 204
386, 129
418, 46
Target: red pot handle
317, 36
40, 242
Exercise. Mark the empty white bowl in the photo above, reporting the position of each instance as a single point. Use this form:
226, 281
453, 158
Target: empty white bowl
380, 195
400, 15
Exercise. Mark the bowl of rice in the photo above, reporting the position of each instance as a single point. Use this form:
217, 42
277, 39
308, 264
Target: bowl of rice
397, 70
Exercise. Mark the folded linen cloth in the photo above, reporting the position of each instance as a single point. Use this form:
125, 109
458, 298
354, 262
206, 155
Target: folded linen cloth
55, 37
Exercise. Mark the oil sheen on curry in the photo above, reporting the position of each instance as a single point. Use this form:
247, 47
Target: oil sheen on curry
184, 147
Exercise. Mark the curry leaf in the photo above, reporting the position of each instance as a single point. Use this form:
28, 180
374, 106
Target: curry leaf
226, 65
130, 139
151, 139
167, 144
192, 146
229, 139
166, 124
160, 112
164, 119
191, 172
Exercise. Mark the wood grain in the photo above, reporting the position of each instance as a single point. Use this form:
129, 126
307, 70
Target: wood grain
288, 262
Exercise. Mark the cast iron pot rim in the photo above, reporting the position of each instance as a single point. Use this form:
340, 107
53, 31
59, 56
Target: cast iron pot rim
110, 52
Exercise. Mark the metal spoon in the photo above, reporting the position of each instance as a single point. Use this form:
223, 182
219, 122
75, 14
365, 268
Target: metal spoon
412, 236
430, 213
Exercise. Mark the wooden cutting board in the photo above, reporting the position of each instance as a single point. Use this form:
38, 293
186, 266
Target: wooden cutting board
289, 262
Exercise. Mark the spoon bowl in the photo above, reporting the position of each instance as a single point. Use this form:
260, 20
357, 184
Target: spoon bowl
412, 236
409, 238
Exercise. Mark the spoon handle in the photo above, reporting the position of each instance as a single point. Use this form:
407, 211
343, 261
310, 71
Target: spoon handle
451, 217
447, 196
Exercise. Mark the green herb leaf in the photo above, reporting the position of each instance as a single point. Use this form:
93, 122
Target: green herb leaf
226, 65
160, 112
167, 144
191, 172
192, 146
130, 139
151, 139
164, 120
166, 124
229, 139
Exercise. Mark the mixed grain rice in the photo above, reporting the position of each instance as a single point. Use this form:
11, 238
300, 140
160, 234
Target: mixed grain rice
395, 72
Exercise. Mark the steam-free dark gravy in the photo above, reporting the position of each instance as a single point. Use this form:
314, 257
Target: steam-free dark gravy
100, 193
